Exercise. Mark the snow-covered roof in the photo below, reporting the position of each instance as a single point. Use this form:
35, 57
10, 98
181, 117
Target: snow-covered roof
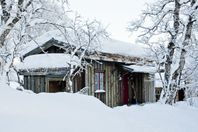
40, 41
142, 69
107, 45
122, 48
46, 61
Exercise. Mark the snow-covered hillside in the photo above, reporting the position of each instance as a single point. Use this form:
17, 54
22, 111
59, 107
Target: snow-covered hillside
65, 112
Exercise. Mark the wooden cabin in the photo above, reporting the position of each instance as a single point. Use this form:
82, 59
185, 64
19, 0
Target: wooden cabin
115, 79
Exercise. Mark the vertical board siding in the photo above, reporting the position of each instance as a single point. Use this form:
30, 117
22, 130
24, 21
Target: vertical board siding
86, 80
92, 74
106, 86
26, 82
29, 83
35, 83
78, 82
140, 85
149, 88
111, 97
43, 84
32, 83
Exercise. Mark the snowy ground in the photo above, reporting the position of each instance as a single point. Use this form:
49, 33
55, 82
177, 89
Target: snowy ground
64, 112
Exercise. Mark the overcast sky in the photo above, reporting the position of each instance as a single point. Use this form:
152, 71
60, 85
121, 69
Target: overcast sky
115, 13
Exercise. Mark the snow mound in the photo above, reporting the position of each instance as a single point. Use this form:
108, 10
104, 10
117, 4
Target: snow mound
160, 118
59, 112
66, 112
193, 101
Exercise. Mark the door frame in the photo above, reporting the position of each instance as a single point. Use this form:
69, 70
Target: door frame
53, 79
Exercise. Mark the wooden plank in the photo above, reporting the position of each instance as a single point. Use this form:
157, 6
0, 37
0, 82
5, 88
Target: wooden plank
109, 85
36, 84
42, 84
114, 87
87, 79
106, 85
28, 82
32, 83
92, 75
47, 84
117, 88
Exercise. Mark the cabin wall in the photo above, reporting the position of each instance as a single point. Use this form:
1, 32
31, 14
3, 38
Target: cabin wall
149, 90
35, 83
140, 86
40, 83
79, 82
136, 88
111, 96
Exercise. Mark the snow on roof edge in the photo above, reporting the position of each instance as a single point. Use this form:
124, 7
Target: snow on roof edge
47, 61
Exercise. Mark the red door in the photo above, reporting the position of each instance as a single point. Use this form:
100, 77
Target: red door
125, 89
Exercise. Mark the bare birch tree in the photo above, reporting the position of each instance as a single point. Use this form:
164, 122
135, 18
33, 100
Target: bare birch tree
168, 27
33, 18
84, 38
19, 24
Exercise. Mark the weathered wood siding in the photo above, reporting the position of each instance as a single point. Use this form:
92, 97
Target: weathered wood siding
111, 97
140, 85
35, 83
149, 90
79, 82
39, 83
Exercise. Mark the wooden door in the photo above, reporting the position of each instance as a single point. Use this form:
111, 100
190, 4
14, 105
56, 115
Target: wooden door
125, 82
56, 86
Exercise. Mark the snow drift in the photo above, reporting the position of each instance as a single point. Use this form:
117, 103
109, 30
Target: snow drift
65, 112
60, 112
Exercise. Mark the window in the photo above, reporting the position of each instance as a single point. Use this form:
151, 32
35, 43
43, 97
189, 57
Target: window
99, 81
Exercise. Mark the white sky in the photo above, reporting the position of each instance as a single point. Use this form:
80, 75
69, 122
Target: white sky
114, 13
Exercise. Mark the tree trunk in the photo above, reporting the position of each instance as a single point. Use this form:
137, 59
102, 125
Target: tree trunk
176, 76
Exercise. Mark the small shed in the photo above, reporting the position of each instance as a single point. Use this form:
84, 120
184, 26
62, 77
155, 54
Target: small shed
114, 78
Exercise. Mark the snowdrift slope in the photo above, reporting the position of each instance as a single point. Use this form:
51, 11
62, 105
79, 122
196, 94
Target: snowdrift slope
64, 112
61, 112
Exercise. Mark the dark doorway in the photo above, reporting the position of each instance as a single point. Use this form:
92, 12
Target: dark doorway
132, 94
125, 82
57, 86
181, 95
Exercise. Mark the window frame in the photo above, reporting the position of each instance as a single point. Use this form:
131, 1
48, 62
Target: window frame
97, 86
